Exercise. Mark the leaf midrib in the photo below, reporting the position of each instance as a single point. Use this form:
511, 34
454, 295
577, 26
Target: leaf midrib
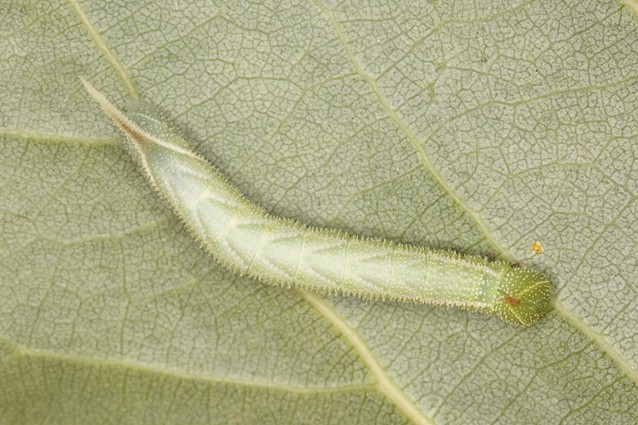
25, 352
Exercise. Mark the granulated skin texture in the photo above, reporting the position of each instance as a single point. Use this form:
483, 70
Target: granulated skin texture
246, 239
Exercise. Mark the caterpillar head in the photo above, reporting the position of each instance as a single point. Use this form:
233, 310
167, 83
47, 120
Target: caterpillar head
524, 296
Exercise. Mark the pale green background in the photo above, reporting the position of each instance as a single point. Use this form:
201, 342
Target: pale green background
482, 125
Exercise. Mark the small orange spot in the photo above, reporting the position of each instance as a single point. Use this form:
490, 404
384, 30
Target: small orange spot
511, 300
538, 247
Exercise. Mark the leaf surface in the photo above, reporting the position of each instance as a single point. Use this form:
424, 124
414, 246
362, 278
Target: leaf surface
480, 125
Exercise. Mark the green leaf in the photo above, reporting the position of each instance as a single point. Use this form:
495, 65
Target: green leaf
480, 125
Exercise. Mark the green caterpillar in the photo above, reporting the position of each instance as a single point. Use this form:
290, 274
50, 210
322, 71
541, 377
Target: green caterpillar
245, 238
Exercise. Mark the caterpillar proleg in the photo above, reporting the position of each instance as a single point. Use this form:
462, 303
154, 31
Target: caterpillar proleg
245, 238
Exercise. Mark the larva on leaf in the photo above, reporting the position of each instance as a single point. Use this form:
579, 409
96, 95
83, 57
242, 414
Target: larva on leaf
245, 238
